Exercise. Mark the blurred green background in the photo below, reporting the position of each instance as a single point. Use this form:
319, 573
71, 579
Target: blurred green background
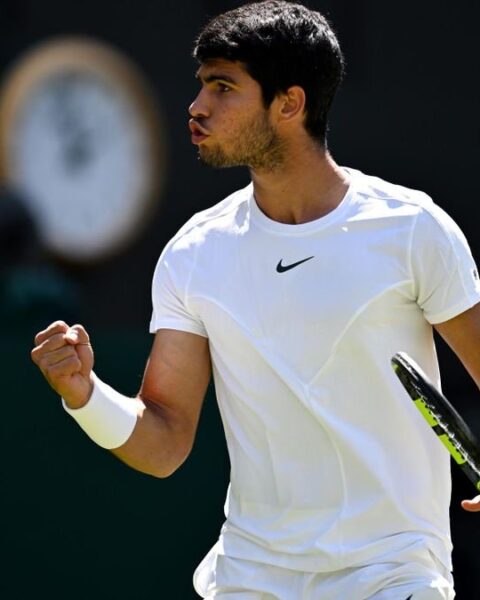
79, 524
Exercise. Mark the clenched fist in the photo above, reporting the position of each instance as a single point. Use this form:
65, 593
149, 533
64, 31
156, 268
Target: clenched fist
65, 357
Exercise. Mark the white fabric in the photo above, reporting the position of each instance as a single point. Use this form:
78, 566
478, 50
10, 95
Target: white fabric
108, 418
331, 464
225, 578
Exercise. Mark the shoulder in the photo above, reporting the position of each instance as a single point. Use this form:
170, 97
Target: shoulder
222, 217
385, 193
386, 198
399, 199
179, 257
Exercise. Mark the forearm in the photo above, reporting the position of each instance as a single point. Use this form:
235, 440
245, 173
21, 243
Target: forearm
146, 435
159, 443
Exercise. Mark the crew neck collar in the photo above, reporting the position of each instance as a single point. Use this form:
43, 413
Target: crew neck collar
264, 222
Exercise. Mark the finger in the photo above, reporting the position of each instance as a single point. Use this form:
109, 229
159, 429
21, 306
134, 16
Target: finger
52, 343
472, 505
77, 335
47, 359
49, 345
52, 329
64, 368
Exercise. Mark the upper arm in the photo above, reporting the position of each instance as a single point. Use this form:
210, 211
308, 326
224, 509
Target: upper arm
177, 375
462, 334
172, 392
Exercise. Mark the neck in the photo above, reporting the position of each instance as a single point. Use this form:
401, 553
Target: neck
306, 186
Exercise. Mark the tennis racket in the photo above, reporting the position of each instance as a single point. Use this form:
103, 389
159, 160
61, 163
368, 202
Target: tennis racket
445, 421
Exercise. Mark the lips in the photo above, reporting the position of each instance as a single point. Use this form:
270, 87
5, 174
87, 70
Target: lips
198, 133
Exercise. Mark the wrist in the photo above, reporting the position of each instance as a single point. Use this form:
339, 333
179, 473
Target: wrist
80, 399
107, 416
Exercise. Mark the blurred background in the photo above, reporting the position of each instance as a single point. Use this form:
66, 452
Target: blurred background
93, 129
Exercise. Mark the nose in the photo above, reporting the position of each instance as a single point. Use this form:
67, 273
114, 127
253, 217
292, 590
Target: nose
199, 107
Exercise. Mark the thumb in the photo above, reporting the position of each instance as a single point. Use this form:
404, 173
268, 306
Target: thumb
76, 335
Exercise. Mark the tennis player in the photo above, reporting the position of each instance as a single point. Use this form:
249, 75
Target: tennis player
296, 291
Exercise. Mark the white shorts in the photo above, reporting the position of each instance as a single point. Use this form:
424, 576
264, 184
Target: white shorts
221, 577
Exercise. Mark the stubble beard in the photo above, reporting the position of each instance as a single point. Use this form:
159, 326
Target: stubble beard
257, 146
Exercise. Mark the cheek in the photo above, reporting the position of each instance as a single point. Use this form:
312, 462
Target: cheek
226, 125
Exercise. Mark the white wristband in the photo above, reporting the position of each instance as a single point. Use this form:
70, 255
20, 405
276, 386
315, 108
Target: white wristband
108, 418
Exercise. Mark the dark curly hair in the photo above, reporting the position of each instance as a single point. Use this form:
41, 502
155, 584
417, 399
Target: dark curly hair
281, 44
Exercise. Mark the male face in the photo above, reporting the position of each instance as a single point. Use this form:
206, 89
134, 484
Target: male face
229, 123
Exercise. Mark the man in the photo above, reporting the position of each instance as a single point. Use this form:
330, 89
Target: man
296, 291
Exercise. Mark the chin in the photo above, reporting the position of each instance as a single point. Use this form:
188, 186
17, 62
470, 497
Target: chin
216, 158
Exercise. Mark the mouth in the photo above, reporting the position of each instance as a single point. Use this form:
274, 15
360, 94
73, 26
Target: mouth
198, 133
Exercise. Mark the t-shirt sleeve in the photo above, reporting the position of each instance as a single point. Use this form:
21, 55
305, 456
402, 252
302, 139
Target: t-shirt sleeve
169, 297
444, 271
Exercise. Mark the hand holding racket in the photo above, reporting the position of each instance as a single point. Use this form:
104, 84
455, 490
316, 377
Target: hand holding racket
445, 421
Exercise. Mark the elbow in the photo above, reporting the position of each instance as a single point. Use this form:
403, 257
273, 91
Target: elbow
160, 444
169, 465
156, 462
162, 473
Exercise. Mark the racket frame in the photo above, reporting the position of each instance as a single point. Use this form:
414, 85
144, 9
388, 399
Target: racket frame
445, 421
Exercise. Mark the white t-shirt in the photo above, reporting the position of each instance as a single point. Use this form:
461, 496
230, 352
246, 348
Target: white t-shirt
332, 466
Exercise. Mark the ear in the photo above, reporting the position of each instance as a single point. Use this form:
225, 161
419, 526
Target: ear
292, 104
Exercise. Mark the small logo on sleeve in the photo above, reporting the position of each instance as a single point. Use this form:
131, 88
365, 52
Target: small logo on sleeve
476, 278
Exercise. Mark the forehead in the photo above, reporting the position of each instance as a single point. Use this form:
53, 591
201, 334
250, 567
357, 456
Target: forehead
221, 68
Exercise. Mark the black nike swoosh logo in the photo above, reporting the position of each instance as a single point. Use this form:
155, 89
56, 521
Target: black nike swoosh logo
282, 268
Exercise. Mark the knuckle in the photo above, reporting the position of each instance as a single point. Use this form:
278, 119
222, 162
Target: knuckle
41, 335
43, 364
58, 325
55, 327
34, 355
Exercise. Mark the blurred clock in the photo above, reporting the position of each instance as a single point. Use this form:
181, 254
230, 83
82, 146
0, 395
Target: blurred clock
80, 140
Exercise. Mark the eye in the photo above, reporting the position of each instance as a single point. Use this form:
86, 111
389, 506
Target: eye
223, 87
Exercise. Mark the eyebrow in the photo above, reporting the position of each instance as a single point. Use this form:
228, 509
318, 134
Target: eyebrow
215, 77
